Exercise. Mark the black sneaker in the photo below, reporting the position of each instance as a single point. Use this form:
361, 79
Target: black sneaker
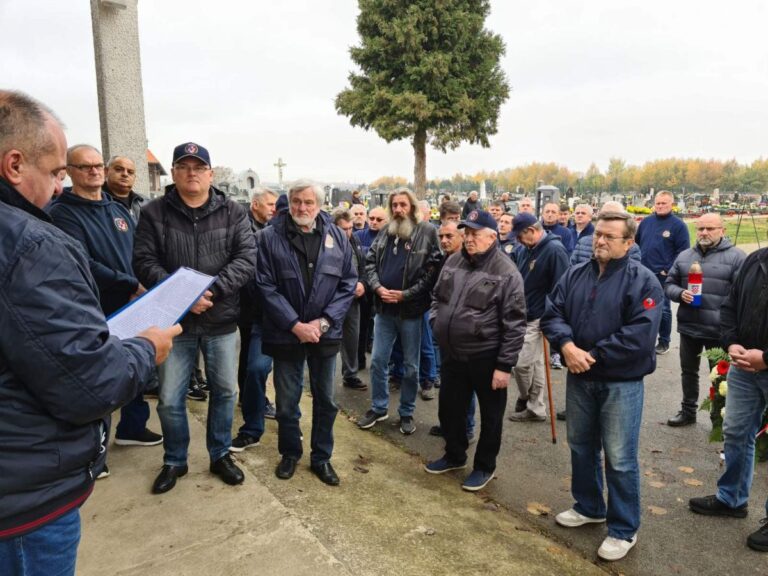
104, 473
561, 415
407, 425
394, 383
369, 419
146, 438
242, 442
355, 384
758, 540
521, 404
194, 392
711, 506
662, 349
436, 431
201, 381
152, 393
270, 411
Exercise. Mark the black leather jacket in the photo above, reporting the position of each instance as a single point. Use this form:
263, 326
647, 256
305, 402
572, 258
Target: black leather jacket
421, 268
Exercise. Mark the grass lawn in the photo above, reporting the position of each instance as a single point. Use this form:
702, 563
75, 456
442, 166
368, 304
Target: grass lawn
750, 231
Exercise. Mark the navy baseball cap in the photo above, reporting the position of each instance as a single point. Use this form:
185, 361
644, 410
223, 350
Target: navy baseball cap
478, 219
522, 221
191, 150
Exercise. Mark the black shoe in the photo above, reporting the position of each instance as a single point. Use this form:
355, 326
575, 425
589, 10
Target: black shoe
166, 480
242, 442
361, 363
394, 383
227, 470
270, 411
355, 384
758, 540
521, 404
326, 473
561, 415
152, 392
682, 419
104, 473
711, 506
662, 349
201, 381
195, 392
286, 468
407, 426
436, 431
146, 438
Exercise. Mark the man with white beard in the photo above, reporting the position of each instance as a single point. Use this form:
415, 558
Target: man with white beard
401, 268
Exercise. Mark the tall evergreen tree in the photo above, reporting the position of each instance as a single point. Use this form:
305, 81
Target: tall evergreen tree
429, 71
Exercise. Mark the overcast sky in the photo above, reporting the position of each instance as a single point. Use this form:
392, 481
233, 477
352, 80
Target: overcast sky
255, 80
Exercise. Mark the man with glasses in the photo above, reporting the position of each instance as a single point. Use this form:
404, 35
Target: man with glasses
106, 230
197, 226
121, 176
603, 316
661, 237
699, 325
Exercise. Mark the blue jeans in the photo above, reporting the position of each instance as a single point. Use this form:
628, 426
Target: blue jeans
665, 328
427, 358
606, 416
386, 329
48, 551
744, 407
133, 418
289, 382
253, 400
220, 371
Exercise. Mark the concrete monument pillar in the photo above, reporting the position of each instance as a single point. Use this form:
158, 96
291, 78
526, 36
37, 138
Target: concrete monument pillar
118, 80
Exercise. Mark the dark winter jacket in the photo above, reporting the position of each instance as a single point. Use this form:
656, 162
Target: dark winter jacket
217, 241
719, 265
541, 268
509, 247
366, 238
567, 237
615, 318
106, 231
421, 269
61, 374
744, 314
661, 239
134, 204
279, 280
583, 251
588, 230
469, 206
478, 308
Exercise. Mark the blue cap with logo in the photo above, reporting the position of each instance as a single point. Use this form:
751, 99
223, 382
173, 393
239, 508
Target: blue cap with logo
522, 221
478, 219
191, 150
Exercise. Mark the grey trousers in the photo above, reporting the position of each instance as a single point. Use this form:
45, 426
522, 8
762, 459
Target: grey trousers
350, 340
529, 371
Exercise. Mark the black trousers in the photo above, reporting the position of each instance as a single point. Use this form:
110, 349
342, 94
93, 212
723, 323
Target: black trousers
366, 312
690, 349
245, 327
459, 381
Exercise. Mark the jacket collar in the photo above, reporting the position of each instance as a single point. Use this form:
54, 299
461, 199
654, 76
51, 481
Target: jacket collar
9, 195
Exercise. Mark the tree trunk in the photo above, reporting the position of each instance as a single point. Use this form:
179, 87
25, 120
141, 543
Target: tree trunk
420, 163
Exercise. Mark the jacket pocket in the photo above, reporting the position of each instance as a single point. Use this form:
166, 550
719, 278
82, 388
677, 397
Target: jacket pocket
330, 270
286, 274
481, 296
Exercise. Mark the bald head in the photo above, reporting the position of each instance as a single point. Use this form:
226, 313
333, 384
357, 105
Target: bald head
709, 230
612, 206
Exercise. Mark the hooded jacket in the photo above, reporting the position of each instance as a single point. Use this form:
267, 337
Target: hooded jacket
215, 239
661, 239
61, 374
541, 267
106, 230
719, 265
615, 317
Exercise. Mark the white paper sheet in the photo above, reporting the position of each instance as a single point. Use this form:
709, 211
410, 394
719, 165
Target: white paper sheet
163, 306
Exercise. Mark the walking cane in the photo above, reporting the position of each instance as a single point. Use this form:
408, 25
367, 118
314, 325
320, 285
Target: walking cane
549, 390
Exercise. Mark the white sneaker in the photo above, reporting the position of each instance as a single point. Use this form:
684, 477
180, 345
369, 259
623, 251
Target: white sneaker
615, 548
572, 519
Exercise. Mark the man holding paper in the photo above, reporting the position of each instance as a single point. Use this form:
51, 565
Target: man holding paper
63, 374
197, 226
307, 281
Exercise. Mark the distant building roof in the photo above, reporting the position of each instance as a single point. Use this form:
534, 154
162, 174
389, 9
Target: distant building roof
152, 159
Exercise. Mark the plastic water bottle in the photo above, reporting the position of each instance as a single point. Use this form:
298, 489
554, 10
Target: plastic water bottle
694, 283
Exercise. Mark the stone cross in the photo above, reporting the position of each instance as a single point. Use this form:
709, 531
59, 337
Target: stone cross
280, 164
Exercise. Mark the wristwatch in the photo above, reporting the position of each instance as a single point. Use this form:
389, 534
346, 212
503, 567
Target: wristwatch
324, 325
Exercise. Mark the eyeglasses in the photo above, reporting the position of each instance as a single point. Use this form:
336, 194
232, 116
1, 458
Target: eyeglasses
87, 167
608, 237
707, 228
375, 219
197, 169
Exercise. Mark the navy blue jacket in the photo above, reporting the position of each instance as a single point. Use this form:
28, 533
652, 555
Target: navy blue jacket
661, 239
583, 251
106, 229
567, 236
366, 238
541, 268
589, 229
615, 317
279, 280
61, 374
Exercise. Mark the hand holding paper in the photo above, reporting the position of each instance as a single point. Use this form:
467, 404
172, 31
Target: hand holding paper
162, 340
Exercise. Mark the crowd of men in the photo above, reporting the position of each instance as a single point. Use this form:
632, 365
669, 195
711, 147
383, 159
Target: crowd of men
461, 307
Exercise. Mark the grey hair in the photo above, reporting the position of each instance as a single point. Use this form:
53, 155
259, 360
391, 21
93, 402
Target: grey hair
259, 193
665, 193
587, 207
303, 185
72, 149
22, 125
341, 214
403, 191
